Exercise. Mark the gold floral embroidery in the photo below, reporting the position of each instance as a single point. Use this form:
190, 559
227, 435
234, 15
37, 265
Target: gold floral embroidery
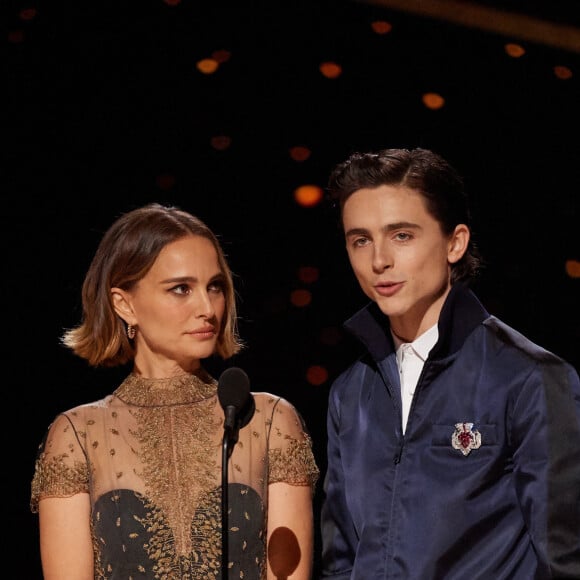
56, 478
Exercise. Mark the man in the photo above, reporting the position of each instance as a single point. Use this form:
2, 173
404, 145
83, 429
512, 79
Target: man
454, 441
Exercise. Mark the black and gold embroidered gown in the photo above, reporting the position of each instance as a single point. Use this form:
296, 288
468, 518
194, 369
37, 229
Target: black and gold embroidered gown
150, 457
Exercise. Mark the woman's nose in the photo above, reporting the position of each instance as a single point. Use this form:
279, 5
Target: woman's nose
204, 305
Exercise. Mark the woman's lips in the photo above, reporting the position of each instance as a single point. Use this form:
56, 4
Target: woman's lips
206, 332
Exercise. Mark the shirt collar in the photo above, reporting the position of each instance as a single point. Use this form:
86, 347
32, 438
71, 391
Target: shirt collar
422, 345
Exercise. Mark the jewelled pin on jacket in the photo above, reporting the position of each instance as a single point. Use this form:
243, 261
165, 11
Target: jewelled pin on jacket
465, 438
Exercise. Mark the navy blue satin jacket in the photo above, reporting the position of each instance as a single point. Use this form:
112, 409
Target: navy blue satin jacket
485, 483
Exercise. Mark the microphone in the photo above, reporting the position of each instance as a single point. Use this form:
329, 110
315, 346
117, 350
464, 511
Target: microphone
239, 406
236, 400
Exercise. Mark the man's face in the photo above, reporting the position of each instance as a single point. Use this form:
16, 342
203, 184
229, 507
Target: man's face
400, 255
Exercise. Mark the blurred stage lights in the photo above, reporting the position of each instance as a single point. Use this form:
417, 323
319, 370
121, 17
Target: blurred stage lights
308, 195
316, 375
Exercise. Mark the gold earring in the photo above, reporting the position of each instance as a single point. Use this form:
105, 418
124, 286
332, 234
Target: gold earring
131, 331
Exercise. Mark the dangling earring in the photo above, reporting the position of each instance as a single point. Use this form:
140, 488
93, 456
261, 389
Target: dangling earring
131, 331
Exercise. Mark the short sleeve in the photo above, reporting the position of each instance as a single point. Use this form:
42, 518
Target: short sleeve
290, 454
61, 468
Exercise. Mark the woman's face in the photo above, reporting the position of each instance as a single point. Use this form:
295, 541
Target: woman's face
178, 307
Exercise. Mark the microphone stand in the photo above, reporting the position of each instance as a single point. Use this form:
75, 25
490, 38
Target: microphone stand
234, 396
226, 452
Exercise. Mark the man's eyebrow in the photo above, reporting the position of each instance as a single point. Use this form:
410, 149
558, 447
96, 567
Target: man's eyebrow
356, 232
401, 226
386, 228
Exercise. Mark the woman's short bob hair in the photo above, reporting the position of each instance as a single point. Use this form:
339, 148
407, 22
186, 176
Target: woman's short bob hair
124, 256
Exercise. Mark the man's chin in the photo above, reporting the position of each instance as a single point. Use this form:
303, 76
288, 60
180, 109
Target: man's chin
390, 306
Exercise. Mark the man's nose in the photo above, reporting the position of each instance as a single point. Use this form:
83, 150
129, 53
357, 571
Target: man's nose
382, 258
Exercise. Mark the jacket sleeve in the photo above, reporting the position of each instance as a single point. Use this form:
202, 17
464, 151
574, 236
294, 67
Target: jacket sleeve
339, 538
546, 438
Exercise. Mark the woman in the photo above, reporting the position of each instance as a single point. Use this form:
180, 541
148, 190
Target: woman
130, 486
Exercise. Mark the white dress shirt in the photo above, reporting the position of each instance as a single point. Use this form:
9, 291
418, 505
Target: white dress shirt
411, 357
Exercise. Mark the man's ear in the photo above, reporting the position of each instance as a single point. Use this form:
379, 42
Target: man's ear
458, 243
122, 305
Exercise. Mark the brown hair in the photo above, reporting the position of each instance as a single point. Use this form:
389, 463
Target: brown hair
124, 256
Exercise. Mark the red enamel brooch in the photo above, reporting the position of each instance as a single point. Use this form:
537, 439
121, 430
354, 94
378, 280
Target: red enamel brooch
465, 438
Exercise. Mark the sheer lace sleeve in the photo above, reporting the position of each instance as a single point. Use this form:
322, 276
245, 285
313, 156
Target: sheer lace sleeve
290, 455
61, 468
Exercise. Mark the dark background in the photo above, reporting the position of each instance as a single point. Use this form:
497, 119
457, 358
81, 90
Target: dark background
105, 107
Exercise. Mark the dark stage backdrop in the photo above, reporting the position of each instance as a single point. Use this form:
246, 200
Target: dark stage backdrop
107, 110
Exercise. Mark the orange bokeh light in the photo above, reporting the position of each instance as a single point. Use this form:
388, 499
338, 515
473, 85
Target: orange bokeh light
299, 153
300, 297
308, 195
16, 36
514, 50
316, 375
28, 14
573, 268
207, 66
221, 56
330, 70
308, 274
563, 72
381, 26
433, 101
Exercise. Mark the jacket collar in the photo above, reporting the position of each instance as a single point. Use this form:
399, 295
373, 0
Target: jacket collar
461, 313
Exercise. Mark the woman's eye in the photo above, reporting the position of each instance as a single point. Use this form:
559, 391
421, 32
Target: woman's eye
180, 289
217, 287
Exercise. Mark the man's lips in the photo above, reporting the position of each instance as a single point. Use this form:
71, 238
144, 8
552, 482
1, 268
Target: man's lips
388, 289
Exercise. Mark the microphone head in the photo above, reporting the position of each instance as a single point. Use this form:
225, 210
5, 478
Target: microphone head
233, 388
236, 400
